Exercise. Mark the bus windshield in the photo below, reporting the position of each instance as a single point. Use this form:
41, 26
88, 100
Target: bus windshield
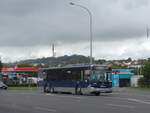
98, 75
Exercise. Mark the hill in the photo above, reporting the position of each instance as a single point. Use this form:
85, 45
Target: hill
54, 61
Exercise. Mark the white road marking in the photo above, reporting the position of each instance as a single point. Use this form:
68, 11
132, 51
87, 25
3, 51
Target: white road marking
139, 101
132, 100
51, 94
74, 97
66, 96
114, 93
45, 109
124, 106
136, 94
24, 93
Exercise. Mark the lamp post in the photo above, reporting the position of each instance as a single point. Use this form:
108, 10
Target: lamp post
91, 32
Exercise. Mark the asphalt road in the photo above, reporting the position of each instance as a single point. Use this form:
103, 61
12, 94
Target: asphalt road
120, 101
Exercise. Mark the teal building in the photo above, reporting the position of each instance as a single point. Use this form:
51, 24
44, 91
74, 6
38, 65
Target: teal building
122, 77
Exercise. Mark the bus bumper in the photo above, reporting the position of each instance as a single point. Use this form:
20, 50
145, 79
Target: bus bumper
100, 90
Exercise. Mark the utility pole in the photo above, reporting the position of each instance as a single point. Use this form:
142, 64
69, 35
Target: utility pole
90, 28
53, 50
147, 31
1, 66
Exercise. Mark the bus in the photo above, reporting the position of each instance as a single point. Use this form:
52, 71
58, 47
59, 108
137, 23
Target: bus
78, 79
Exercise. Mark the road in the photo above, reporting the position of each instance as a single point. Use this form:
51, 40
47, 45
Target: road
120, 101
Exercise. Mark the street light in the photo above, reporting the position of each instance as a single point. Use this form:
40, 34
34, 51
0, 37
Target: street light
91, 32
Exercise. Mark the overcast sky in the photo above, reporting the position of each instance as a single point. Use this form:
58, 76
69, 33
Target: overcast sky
29, 27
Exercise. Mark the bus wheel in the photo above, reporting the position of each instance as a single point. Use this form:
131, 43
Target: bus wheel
44, 90
97, 94
47, 89
52, 90
78, 91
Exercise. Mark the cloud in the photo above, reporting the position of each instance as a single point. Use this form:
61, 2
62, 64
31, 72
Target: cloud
35, 24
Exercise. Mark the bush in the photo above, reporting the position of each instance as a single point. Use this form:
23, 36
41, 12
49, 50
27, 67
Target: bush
141, 82
145, 82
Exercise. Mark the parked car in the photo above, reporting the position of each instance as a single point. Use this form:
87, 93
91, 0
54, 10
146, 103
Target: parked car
3, 86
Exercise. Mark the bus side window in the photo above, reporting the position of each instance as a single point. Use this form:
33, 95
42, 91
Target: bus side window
86, 76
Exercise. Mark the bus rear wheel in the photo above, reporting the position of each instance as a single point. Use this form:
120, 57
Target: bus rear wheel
46, 89
52, 90
78, 91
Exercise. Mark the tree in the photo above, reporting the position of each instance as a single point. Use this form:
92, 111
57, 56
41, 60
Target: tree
129, 59
72, 61
42, 66
141, 82
101, 61
146, 74
24, 65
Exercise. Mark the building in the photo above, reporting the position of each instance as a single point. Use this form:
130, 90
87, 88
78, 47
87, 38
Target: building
134, 80
13, 76
122, 77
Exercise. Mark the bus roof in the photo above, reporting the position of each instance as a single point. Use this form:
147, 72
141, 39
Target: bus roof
75, 66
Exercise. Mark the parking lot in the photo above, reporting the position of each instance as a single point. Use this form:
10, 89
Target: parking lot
122, 100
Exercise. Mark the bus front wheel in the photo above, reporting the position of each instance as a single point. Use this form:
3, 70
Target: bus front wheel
97, 93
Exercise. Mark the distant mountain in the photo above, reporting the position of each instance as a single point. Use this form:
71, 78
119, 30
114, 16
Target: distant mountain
62, 60
73, 59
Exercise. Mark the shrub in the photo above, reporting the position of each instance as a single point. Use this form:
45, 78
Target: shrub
141, 82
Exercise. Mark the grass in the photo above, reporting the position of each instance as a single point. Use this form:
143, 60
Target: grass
144, 89
22, 87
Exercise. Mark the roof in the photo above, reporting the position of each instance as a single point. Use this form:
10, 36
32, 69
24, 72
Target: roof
75, 66
20, 69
